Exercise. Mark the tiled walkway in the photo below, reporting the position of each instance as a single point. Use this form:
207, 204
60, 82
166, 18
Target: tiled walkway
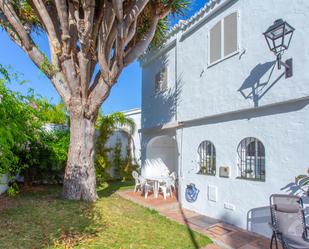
224, 236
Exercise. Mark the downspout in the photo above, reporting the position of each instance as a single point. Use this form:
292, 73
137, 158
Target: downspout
176, 76
179, 136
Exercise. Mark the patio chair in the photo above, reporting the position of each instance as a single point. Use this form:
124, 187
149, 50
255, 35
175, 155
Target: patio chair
148, 187
288, 222
139, 181
166, 187
174, 180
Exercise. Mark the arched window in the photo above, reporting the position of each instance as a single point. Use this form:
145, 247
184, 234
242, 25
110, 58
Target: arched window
251, 159
207, 158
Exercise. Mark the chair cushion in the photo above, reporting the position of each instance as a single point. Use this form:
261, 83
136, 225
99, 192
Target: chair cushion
287, 208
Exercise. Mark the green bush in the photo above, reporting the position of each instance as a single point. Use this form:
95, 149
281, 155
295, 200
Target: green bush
13, 190
48, 158
122, 168
25, 146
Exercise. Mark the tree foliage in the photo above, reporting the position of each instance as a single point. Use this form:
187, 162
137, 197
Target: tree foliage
25, 146
19, 126
89, 39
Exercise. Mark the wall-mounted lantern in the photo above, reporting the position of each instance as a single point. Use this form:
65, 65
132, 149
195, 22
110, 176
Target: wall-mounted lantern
278, 37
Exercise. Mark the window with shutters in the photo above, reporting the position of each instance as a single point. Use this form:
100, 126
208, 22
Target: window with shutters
161, 80
223, 38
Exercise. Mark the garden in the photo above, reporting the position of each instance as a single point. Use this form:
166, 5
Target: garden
33, 211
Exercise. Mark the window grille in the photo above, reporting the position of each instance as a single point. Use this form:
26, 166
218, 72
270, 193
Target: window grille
251, 159
207, 158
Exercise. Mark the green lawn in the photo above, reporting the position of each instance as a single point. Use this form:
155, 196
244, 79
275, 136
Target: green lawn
40, 219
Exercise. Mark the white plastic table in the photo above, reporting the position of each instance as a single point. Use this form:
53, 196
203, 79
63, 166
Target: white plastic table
156, 180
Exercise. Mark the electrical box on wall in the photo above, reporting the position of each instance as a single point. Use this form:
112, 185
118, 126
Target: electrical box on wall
224, 171
212, 193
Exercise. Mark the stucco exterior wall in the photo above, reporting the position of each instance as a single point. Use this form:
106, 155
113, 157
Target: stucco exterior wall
218, 88
242, 96
154, 103
283, 131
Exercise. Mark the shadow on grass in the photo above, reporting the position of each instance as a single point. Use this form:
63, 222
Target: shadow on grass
190, 231
107, 189
42, 219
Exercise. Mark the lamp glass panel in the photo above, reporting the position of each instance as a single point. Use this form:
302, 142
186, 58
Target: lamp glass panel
269, 43
278, 32
288, 28
278, 42
287, 39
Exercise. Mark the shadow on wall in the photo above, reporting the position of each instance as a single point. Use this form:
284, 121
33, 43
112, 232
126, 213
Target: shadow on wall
300, 190
294, 189
258, 83
160, 107
163, 107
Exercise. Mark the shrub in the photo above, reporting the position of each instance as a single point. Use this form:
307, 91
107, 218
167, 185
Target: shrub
104, 163
13, 190
25, 147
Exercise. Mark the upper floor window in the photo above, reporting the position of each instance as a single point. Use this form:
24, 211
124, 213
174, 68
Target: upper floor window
207, 158
161, 80
223, 38
251, 159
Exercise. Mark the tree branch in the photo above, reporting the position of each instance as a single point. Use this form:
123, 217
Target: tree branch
131, 33
118, 8
143, 44
48, 24
135, 11
13, 19
62, 11
86, 31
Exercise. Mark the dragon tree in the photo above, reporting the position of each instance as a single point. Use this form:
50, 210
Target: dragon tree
90, 42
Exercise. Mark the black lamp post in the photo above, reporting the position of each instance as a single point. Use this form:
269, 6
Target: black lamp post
278, 37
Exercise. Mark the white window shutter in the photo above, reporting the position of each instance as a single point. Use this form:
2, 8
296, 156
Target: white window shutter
215, 53
230, 34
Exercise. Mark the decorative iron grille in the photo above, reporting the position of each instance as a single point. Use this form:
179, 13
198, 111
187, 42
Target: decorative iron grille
207, 158
251, 159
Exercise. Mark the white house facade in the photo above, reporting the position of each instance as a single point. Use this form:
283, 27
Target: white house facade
218, 111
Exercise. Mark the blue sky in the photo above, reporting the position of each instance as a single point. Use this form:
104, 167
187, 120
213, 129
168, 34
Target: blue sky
125, 95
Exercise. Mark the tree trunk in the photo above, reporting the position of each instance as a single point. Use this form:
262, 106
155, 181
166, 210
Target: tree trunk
80, 180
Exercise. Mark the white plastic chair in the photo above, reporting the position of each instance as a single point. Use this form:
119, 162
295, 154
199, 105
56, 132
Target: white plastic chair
174, 179
139, 181
148, 186
166, 187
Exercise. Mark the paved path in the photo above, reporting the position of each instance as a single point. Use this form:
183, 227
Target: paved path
223, 235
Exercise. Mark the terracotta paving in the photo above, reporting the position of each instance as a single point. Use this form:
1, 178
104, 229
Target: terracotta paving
223, 235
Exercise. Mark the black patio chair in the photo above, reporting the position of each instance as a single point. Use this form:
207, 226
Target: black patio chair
288, 222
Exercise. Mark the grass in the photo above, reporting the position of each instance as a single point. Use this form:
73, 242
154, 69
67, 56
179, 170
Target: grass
39, 218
